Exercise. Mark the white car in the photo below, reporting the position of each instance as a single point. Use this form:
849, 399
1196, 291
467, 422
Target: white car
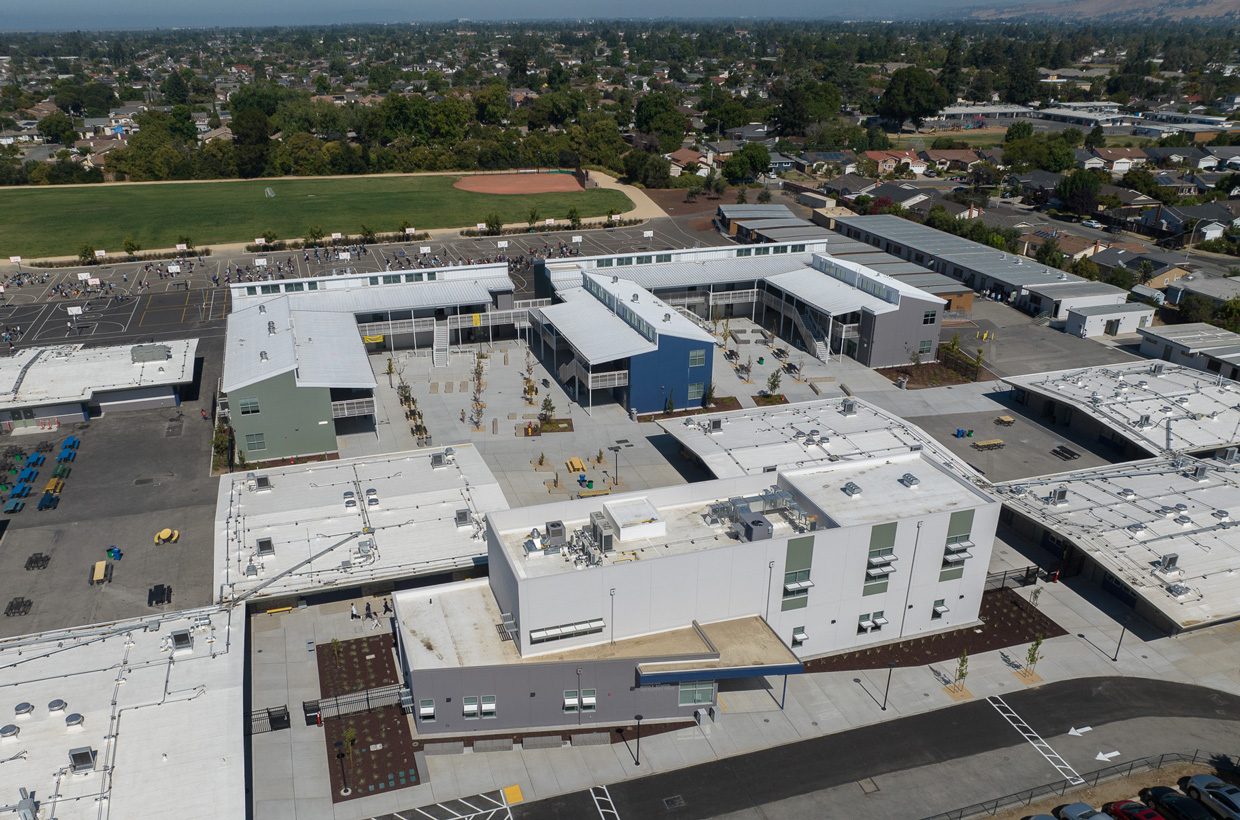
1092, 223
1221, 798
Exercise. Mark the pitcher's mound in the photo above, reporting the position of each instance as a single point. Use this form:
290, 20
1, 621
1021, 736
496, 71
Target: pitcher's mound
518, 183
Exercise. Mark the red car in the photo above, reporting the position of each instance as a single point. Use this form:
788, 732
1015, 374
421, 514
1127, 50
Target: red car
1132, 810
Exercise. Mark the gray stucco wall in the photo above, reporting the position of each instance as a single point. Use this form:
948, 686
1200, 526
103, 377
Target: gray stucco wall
294, 420
532, 695
889, 339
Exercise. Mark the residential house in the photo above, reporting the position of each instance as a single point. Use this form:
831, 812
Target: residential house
1190, 157
812, 161
1070, 245
950, 159
1181, 183
902, 195
683, 158
1120, 160
889, 161
781, 162
1215, 289
1164, 268
1035, 181
849, 186
1172, 219
955, 209
751, 132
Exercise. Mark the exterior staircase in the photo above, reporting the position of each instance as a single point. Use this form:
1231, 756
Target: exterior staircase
439, 352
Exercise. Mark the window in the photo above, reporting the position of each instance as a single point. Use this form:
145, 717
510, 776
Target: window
249, 407
939, 610
760, 251
693, 693
929, 316
798, 636
797, 584
780, 249
643, 260
925, 347
624, 261
392, 279
798, 249
312, 286
413, 277
373, 280
294, 287
696, 389
957, 545
426, 710
571, 703
269, 288
430, 276
871, 622
603, 263
488, 706
251, 291
589, 702
663, 257
255, 442
697, 358
951, 574
744, 252
881, 558
470, 706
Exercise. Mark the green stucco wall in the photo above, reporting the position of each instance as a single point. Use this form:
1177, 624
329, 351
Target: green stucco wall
289, 418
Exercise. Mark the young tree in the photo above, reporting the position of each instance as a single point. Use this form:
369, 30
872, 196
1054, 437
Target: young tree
532, 217
772, 382
548, 408
1095, 138
494, 223
1032, 656
574, 218
764, 196
86, 254
741, 196
131, 246
962, 669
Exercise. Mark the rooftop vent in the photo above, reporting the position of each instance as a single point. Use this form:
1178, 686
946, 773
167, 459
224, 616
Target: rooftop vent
23, 709
1231, 455
1166, 512
75, 721
1183, 520
182, 640
1144, 421
1221, 515
667, 317
350, 499
634, 299
9, 731
852, 489
257, 483
1136, 528
266, 546
438, 460
262, 355
1059, 496
1170, 562
1201, 472
716, 425
57, 705
262, 308
1127, 494
82, 759
615, 280
365, 546
462, 518
271, 328
909, 480
1157, 369
848, 407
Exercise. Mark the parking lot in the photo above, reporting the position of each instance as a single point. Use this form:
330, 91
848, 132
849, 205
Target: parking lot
135, 474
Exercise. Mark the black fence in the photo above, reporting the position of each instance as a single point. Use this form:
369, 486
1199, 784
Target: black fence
269, 720
1059, 788
1013, 578
380, 697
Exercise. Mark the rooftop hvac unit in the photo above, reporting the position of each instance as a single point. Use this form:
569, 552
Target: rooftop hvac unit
1201, 472
909, 480
266, 546
251, 571
1144, 421
852, 489
462, 518
757, 527
1230, 455
555, 534
27, 808
603, 533
1059, 496
438, 460
1170, 562
365, 547
1157, 369
82, 760
716, 426
848, 407
181, 640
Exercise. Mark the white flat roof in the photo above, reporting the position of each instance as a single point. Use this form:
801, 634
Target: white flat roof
595, 333
165, 728
777, 438
1168, 511
689, 526
361, 297
304, 513
37, 376
1203, 410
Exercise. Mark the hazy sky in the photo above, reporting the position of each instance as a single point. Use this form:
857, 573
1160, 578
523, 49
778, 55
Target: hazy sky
112, 14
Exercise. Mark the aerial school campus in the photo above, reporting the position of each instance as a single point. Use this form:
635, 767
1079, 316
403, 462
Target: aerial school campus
546, 491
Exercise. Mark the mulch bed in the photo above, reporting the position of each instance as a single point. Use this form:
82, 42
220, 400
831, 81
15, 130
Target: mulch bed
556, 426
1008, 620
932, 374
617, 734
672, 200
372, 770
365, 663
770, 401
721, 405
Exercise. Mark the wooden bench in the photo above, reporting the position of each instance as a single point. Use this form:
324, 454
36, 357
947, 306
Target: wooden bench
990, 444
593, 493
1006, 421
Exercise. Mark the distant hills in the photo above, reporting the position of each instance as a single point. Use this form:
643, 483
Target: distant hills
1119, 10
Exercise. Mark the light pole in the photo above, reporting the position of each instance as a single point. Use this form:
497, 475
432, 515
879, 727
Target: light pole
613, 616
1120, 642
637, 759
344, 778
1188, 246
615, 448
890, 666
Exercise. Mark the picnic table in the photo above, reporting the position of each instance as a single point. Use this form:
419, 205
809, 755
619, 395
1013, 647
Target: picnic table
14, 505
101, 573
71, 443
576, 465
1006, 421
28, 474
989, 444
54, 486
61, 471
66, 455
36, 460
49, 501
20, 491
167, 535
159, 595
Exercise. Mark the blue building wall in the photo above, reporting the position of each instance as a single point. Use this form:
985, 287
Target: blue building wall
655, 376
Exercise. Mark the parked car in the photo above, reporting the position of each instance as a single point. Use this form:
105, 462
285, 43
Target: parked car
1115, 229
1092, 223
1221, 798
1132, 810
1080, 811
1173, 805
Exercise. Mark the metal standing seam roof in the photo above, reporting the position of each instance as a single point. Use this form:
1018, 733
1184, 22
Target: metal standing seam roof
806, 231
1109, 310
372, 298
685, 274
828, 294
269, 339
1195, 336
595, 333
1063, 290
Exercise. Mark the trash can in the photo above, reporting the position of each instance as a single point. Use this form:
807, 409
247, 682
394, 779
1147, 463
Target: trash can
590, 484
310, 709
761, 359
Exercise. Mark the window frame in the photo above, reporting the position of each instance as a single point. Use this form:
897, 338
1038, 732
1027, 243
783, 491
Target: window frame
426, 703
572, 701
588, 700
488, 700
249, 406
925, 347
696, 390
697, 358
466, 703
929, 317
255, 438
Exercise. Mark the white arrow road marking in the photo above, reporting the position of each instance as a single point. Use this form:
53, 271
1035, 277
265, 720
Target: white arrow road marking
1106, 756
1075, 732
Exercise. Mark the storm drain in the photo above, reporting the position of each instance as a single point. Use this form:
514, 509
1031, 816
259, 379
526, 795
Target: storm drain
138, 482
674, 802
868, 786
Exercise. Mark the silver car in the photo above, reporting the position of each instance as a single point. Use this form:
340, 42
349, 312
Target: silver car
1081, 811
1221, 798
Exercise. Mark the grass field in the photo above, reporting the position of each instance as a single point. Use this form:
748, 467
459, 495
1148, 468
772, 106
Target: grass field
40, 222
